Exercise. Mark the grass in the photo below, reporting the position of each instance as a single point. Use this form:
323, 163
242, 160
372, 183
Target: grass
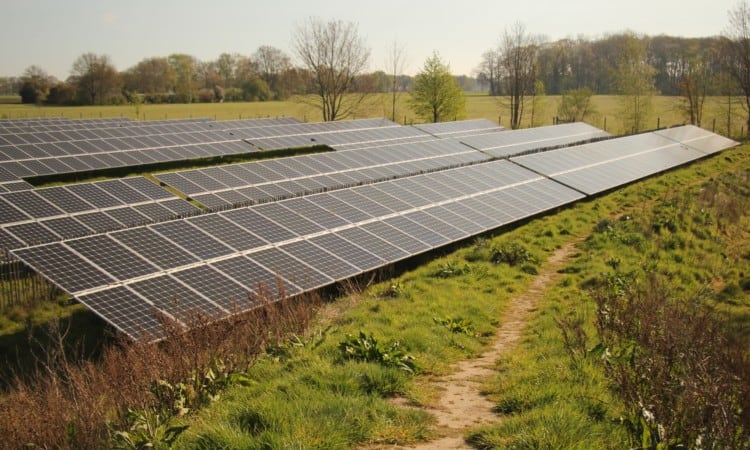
666, 111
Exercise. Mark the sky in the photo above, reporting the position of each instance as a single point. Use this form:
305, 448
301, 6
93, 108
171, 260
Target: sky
52, 34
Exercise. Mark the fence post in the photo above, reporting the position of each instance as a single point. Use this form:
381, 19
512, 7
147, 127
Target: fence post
605, 123
713, 127
658, 123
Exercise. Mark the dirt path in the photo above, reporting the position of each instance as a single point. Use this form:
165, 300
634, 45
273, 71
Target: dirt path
461, 405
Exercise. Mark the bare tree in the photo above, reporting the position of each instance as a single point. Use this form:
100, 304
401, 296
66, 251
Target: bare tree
395, 63
335, 54
518, 51
489, 70
738, 51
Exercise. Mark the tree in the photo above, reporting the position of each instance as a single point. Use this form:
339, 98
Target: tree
150, 76
575, 105
185, 69
270, 63
395, 62
95, 78
436, 95
694, 83
335, 55
738, 50
35, 85
635, 83
518, 63
489, 71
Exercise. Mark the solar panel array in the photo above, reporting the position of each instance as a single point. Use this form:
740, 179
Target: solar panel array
211, 262
222, 262
40, 153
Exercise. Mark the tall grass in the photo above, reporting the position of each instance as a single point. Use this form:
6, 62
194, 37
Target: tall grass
136, 390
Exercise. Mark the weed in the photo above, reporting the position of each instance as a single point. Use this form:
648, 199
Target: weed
366, 348
456, 325
512, 254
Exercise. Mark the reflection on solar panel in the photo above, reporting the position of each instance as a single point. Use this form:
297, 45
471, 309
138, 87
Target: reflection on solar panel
460, 128
510, 143
216, 264
597, 167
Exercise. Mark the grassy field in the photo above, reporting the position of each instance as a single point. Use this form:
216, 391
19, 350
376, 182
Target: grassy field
666, 111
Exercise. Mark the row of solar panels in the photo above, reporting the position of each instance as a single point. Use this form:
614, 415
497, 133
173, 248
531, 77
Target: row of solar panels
179, 267
20, 160
210, 263
52, 214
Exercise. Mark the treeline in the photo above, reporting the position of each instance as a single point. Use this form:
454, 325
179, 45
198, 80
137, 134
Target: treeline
180, 78
569, 64
270, 74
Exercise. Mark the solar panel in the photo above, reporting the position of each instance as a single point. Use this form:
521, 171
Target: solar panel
67, 227
416, 231
287, 218
290, 268
358, 256
154, 248
396, 238
65, 199
218, 288
227, 231
128, 312
325, 262
111, 257
259, 225
10, 213
263, 283
321, 216
32, 233
184, 234
175, 298
374, 244
128, 216
99, 221
94, 195
447, 224
63, 267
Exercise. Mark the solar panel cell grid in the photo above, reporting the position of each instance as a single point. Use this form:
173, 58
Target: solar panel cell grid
227, 231
63, 267
284, 265
111, 257
67, 227
314, 256
154, 248
176, 299
216, 287
192, 238
126, 311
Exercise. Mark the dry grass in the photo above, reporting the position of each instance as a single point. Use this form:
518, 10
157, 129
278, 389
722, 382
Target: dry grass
74, 403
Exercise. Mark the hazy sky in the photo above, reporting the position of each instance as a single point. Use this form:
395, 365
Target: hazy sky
53, 33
